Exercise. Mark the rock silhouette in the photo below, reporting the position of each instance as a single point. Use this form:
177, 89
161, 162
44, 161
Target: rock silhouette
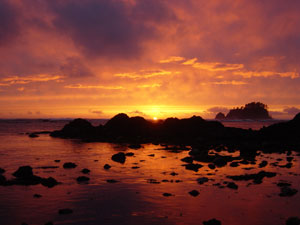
193, 131
253, 111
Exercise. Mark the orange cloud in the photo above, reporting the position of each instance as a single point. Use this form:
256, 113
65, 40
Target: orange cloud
29, 79
80, 86
144, 74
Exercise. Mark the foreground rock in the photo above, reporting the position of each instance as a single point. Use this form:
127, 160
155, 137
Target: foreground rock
293, 221
69, 165
212, 222
119, 157
65, 211
256, 177
24, 176
187, 132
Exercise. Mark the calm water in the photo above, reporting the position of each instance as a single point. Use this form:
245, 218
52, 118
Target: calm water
133, 200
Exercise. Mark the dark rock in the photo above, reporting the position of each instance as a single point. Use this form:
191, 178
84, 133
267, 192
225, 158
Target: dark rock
288, 165
82, 179
65, 211
220, 161
119, 157
167, 194
253, 110
135, 146
135, 167
129, 154
263, 164
2, 180
289, 159
187, 160
78, 128
287, 191
151, 155
57, 160
232, 185
234, 164
69, 165
173, 174
112, 181
23, 172
106, 166
49, 223
37, 196
283, 184
202, 180
293, 221
257, 177
194, 193
211, 166
85, 171
194, 167
212, 222
49, 182
220, 116
153, 181
2, 170
33, 135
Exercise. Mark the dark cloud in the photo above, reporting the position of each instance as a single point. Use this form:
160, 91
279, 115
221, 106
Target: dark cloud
217, 110
98, 112
109, 27
75, 68
9, 27
291, 110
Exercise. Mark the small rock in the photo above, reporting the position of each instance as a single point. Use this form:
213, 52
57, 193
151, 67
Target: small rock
283, 184
69, 165
82, 179
65, 211
289, 159
33, 135
37, 196
23, 172
57, 160
107, 167
167, 194
234, 164
211, 166
151, 155
263, 164
2, 170
232, 185
49, 182
135, 146
187, 160
293, 221
49, 223
173, 174
212, 222
129, 154
85, 171
287, 191
119, 157
112, 181
194, 167
194, 193
202, 180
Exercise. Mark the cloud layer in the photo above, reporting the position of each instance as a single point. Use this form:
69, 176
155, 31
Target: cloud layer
131, 55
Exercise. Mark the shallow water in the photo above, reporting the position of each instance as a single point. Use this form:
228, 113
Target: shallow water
133, 199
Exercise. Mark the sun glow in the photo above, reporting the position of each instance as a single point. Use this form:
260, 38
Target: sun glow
155, 118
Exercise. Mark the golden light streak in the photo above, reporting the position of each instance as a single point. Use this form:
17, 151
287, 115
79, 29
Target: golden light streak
80, 86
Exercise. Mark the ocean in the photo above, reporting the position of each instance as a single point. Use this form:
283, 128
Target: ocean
137, 195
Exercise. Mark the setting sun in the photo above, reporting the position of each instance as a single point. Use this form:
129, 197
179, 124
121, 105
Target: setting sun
154, 118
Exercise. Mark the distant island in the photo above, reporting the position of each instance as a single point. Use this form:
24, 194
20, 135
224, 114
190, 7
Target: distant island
253, 111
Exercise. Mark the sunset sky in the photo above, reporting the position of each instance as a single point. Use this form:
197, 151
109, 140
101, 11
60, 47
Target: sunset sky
96, 58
